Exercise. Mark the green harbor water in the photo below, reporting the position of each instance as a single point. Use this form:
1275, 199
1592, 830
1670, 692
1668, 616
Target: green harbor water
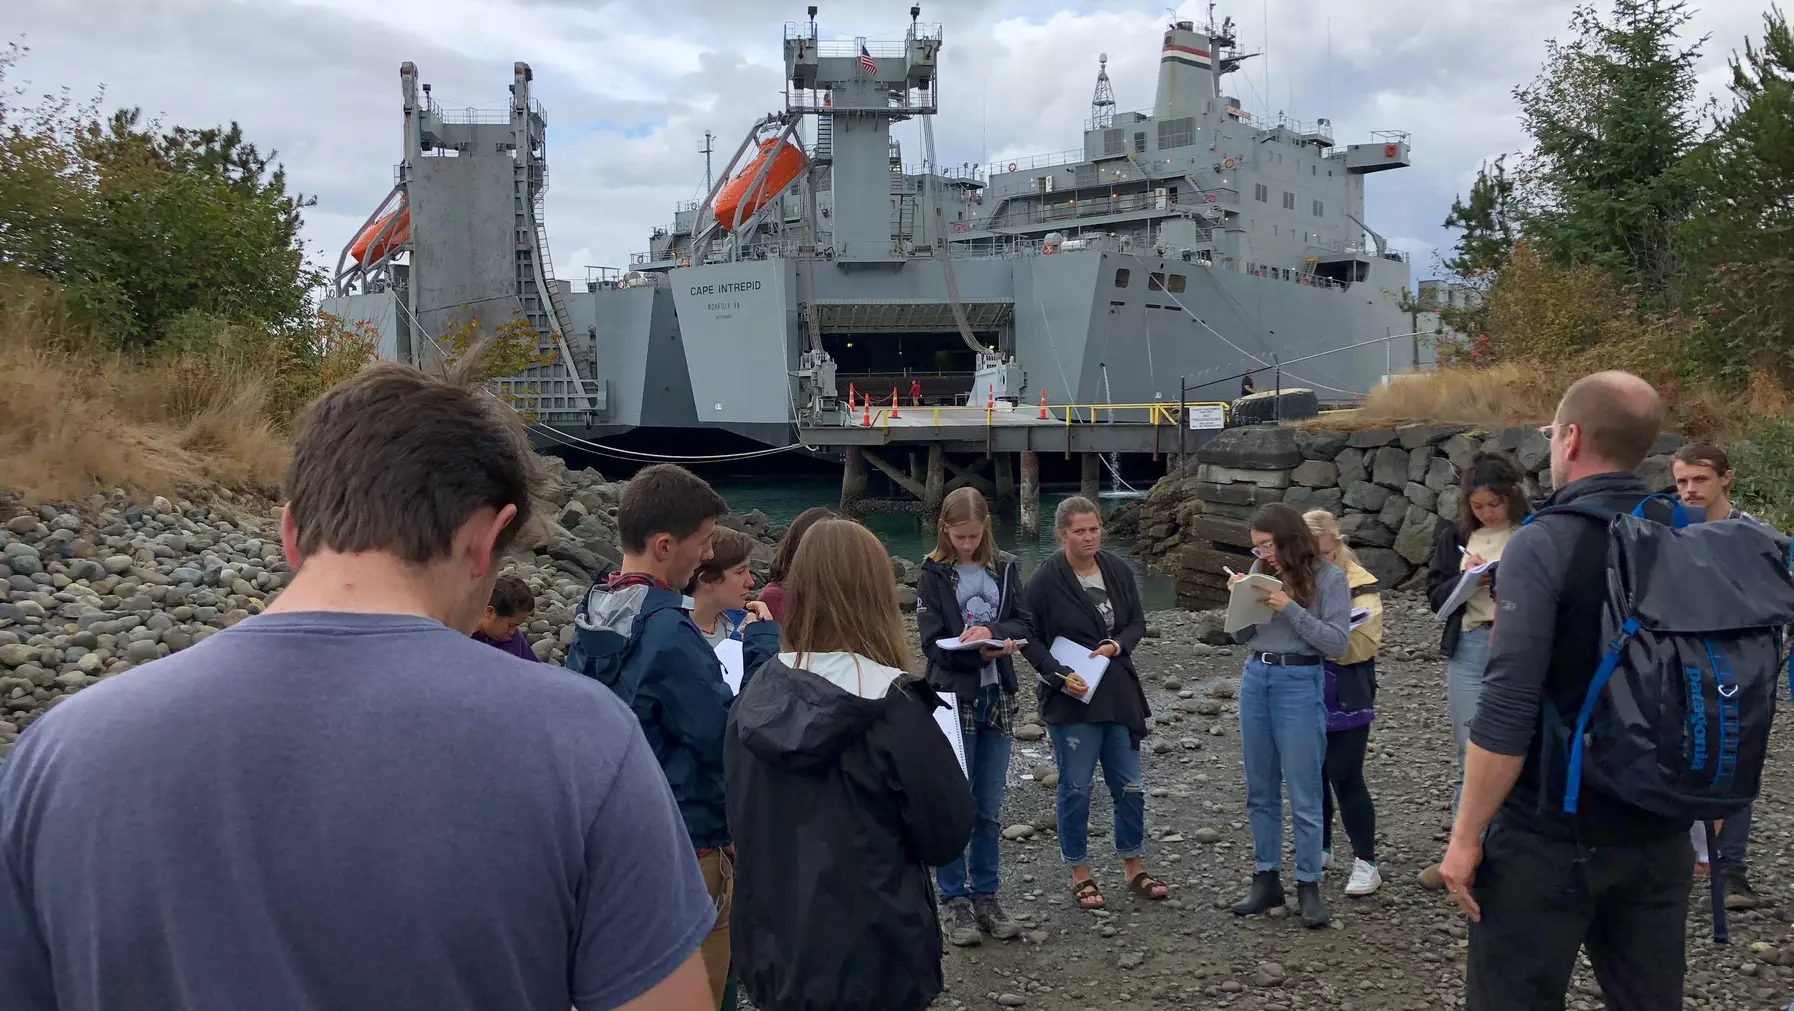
782, 499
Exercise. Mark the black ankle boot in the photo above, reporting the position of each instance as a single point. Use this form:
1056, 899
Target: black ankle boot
1314, 911
1266, 893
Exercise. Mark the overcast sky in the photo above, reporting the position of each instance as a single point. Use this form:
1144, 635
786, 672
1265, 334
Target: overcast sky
631, 87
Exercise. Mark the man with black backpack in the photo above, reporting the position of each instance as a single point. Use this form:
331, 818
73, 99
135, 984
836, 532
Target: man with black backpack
1628, 694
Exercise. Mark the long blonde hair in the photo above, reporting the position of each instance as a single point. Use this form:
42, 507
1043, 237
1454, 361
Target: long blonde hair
964, 505
1324, 524
841, 596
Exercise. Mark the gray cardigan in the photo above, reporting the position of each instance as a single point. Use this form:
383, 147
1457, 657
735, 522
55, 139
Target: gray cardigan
1297, 629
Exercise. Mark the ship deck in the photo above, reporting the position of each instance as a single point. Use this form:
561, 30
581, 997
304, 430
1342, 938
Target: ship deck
1100, 428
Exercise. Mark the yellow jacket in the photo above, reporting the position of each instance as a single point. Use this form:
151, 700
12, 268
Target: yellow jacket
1364, 640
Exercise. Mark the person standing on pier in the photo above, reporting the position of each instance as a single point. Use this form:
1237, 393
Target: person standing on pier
1088, 596
968, 590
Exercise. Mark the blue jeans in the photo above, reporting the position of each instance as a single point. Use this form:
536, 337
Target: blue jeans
1734, 837
1076, 749
987, 762
1283, 739
1463, 686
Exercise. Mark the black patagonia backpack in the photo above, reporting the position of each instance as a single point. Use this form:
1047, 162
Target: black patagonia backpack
1676, 718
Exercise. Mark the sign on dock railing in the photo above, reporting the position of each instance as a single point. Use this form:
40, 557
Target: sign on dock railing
1204, 417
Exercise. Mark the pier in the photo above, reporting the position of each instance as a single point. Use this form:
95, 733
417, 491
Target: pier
926, 452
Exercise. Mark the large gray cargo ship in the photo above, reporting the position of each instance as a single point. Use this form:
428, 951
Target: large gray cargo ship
1176, 249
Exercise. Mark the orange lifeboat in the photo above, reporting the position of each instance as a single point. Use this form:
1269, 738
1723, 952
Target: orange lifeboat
398, 235
787, 164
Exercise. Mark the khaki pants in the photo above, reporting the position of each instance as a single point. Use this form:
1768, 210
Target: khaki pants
719, 880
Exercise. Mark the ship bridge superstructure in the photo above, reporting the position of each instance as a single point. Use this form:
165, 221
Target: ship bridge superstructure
1198, 177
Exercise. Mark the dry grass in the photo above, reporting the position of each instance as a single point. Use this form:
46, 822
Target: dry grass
1501, 395
76, 419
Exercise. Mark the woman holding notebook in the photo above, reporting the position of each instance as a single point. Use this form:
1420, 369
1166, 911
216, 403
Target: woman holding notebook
1283, 719
967, 593
1088, 598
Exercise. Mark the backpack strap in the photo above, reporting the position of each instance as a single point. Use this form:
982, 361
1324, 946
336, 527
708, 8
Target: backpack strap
1609, 661
1678, 513
1587, 510
1727, 683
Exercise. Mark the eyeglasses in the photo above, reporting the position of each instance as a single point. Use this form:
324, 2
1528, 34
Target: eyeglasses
1265, 551
1551, 432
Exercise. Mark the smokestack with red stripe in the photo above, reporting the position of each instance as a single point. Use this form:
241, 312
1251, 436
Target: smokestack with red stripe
1186, 75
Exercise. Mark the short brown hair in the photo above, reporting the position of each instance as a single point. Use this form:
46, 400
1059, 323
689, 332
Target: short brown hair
1705, 454
665, 499
964, 505
794, 536
511, 597
1618, 414
728, 548
840, 596
394, 460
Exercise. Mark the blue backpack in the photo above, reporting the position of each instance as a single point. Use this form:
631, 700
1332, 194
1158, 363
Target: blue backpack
1676, 717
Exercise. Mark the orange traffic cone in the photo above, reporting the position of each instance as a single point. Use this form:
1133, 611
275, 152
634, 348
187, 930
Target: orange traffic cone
894, 403
850, 396
1043, 413
990, 398
867, 419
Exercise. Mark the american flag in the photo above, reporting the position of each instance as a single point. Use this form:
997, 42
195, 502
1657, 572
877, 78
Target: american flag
866, 61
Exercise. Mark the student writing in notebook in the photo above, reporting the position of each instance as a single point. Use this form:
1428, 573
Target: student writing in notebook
1088, 596
1494, 506
966, 588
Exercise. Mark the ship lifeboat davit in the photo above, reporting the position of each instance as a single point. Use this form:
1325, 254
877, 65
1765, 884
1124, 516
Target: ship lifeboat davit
787, 164
366, 250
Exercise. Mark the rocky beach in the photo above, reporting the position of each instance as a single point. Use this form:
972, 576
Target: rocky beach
95, 588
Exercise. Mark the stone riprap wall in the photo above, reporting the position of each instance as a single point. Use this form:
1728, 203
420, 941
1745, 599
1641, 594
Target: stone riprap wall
91, 589
1392, 488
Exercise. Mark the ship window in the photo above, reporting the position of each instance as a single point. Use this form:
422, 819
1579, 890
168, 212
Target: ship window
1155, 281
1117, 305
1177, 133
1121, 277
1261, 192
1289, 201
1140, 143
1154, 305
1112, 142
1175, 283
1319, 209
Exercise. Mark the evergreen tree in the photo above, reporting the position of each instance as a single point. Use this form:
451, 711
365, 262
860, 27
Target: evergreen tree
1742, 231
1613, 118
1487, 223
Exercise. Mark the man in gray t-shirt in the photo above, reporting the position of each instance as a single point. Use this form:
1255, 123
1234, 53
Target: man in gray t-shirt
344, 802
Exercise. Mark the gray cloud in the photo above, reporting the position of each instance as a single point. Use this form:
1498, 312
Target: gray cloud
630, 89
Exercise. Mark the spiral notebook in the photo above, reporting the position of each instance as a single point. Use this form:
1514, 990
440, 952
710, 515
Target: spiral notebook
947, 718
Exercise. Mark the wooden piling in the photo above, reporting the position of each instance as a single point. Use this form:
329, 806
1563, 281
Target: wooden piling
853, 480
1030, 497
1005, 499
934, 488
1090, 478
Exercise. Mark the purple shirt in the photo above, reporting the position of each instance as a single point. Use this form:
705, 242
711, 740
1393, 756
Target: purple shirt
516, 645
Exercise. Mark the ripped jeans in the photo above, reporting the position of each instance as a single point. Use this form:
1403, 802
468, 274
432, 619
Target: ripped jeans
1077, 747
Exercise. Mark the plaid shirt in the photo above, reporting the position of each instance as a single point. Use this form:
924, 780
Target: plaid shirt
1000, 716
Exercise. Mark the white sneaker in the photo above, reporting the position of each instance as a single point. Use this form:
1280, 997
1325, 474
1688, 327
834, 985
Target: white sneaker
1326, 860
1365, 879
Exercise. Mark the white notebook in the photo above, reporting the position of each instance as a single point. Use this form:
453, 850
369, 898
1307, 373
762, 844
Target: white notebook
1078, 658
947, 719
729, 652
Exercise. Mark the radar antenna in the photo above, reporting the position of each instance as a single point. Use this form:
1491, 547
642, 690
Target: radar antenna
1102, 103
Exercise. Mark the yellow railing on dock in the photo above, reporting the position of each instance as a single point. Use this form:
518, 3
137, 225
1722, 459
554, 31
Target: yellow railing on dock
1157, 413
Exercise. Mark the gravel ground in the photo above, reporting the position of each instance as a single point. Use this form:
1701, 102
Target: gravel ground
1399, 949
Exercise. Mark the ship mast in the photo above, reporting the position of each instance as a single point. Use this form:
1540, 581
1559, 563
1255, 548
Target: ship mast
1102, 103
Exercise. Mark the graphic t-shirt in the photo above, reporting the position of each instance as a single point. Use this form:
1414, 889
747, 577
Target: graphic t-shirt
317, 811
979, 599
1098, 592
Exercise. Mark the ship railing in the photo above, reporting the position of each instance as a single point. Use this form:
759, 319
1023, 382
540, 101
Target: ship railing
881, 413
1090, 207
913, 101
686, 205
477, 115
1349, 248
878, 49
1028, 163
1318, 128
970, 173
1294, 275
800, 30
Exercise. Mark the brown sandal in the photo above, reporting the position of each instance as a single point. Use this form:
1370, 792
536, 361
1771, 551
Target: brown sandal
1082, 892
1143, 884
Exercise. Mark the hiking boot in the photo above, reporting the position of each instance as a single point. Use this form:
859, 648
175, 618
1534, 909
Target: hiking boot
1308, 897
1738, 893
1365, 879
962, 924
993, 921
1431, 879
1266, 893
